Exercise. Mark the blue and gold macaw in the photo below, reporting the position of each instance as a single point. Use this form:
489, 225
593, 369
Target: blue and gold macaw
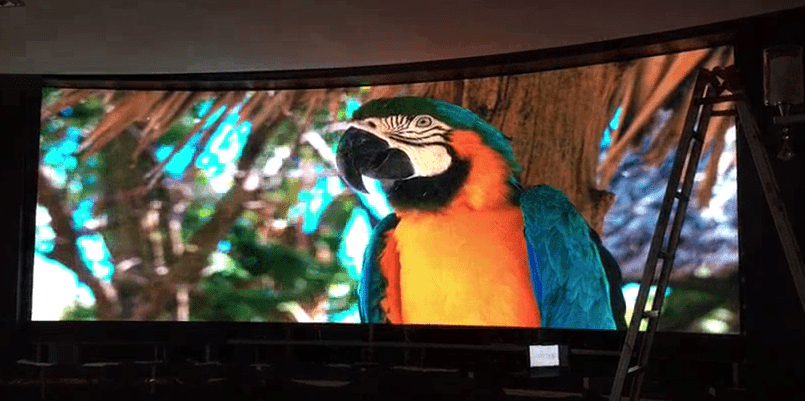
467, 244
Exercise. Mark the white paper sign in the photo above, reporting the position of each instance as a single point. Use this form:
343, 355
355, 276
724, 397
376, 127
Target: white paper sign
544, 355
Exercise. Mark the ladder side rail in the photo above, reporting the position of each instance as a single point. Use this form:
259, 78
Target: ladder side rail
693, 157
627, 350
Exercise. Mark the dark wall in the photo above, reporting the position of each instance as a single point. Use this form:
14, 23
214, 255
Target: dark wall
773, 318
20, 99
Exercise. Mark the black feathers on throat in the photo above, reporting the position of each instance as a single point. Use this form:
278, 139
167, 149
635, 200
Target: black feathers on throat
430, 193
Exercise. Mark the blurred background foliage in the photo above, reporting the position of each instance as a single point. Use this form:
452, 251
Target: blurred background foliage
226, 206
286, 256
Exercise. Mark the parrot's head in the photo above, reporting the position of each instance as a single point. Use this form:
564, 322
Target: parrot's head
428, 153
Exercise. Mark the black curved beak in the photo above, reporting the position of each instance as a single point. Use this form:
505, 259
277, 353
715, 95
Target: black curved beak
362, 153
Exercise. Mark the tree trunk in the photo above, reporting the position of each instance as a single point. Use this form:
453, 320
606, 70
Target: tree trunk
133, 234
556, 119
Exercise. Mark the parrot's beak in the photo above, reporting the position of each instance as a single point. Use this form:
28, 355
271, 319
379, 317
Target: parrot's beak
362, 153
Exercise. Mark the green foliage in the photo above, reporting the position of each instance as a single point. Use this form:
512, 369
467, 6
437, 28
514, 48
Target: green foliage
338, 213
49, 92
226, 297
195, 216
696, 298
79, 311
201, 208
176, 132
284, 134
260, 276
86, 113
281, 262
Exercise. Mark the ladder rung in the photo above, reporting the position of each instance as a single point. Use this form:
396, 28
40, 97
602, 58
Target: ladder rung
681, 196
727, 112
634, 369
652, 314
663, 255
718, 99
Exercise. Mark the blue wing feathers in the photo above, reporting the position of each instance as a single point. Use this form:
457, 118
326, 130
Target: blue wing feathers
536, 278
572, 289
372, 287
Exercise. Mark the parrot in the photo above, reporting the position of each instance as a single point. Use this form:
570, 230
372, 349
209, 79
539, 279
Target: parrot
466, 243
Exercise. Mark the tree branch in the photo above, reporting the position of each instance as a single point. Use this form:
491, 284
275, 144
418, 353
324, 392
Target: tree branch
205, 240
194, 258
67, 253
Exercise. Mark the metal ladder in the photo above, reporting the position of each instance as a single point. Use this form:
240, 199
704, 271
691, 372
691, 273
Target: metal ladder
707, 91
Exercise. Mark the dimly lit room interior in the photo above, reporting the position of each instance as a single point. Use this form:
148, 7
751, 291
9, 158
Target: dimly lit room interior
233, 200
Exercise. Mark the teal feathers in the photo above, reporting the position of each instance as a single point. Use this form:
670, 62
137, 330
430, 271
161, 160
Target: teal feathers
571, 284
372, 287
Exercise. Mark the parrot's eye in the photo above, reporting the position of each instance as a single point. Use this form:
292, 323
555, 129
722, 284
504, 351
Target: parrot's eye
371, 124
423, 121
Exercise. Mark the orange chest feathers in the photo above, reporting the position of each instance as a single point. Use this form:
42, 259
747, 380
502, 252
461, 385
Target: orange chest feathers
465, 267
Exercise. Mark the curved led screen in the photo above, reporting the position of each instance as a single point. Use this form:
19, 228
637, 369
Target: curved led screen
242, 205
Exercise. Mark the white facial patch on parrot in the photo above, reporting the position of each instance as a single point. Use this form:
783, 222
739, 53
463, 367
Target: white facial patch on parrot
423, 138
